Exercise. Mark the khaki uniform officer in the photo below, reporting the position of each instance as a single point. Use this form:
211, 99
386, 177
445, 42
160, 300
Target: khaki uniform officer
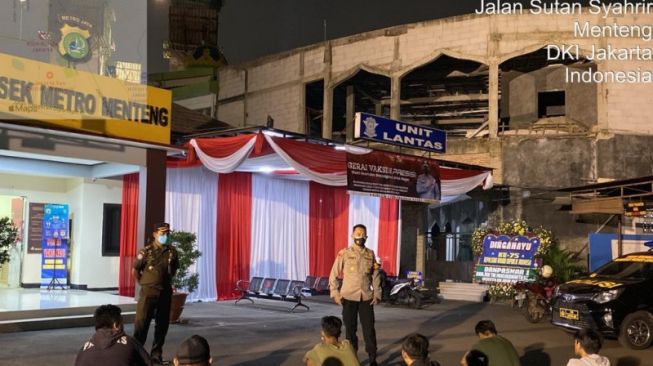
154, 268
361, 289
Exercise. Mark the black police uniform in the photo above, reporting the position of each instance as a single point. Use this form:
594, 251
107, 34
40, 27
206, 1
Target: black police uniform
157, 266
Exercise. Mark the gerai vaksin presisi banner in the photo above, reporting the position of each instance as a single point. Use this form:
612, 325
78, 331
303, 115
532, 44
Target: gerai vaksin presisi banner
384, 174
54, 257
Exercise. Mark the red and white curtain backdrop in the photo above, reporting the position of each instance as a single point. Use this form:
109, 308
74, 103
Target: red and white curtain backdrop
128, 232
279, 228
261, 225
191, 205
269, 226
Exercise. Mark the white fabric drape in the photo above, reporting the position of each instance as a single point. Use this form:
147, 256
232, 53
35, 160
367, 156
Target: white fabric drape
455, 187
279, 228
337, 180
191, 205
227, 164
364, 210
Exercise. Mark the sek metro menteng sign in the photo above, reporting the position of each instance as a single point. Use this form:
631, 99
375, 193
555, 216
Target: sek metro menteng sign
31, 90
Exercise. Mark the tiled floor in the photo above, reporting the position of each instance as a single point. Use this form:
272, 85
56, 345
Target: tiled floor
34, 299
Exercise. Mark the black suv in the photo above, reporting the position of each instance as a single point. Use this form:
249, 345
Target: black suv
616, 300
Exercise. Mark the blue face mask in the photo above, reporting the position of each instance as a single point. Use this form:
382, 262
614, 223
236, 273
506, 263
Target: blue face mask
163, 239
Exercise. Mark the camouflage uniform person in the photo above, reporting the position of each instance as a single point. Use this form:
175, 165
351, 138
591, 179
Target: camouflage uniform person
361, 290
154, 268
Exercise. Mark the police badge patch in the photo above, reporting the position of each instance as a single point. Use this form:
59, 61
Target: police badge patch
75, 43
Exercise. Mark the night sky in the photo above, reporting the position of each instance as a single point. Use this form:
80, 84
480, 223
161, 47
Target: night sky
253, 28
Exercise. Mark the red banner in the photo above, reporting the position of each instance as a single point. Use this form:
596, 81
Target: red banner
386, 174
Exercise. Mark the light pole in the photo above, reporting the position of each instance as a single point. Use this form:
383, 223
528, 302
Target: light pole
20, 19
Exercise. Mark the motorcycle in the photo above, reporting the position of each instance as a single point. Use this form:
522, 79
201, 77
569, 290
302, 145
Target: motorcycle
401, 292
534, 298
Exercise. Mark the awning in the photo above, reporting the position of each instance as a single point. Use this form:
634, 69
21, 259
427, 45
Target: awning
264, 152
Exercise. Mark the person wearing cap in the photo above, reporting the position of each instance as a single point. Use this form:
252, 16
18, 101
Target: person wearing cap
194, 351
154, 268
361, 290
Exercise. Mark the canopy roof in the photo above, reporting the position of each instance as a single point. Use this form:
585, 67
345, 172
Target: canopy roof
264, 152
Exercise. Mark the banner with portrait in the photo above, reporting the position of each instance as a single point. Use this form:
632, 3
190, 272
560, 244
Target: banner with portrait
384, 174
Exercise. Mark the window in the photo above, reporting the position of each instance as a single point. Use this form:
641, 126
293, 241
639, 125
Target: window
551, 104
111, 230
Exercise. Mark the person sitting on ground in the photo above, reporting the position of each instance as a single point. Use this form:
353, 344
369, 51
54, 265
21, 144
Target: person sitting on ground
587, 344
415, 351
331, 351
110, 345
499, 350
474, 358
194, 351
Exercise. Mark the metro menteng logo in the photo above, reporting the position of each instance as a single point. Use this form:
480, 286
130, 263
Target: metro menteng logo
74, 43
370, 127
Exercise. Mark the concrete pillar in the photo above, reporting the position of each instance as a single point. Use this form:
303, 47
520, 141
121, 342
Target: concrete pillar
327, 111
151, 197
493, 113
378, 108
349, 113
327, 105
245, 99
395, 98
420, 253
151, 194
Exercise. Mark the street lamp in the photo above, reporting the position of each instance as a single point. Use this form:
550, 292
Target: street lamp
20, 22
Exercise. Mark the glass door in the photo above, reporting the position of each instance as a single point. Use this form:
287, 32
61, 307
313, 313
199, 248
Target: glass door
14, 208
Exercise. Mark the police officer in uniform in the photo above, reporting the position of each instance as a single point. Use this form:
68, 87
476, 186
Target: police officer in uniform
154, 268
361, 290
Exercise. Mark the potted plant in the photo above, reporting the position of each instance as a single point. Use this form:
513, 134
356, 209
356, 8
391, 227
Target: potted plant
183, 282
8, 237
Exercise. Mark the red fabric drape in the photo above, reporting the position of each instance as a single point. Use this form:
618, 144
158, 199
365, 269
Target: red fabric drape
224, 146
318, 158
388, 225
328, 220
341, 219
451, 174
234, 232
128, 229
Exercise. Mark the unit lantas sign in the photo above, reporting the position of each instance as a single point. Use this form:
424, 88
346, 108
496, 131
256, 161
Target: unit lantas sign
31, 90
380, 129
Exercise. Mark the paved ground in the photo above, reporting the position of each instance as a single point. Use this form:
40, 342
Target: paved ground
266, 334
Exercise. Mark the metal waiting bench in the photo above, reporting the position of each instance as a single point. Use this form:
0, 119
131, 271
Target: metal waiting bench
272, 288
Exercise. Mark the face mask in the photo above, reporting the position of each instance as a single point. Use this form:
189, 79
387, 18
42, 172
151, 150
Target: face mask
163, 239
359, 240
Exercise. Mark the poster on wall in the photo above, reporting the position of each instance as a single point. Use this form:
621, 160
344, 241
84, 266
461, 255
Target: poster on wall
54, 256
383, 174
507, 259
35, 228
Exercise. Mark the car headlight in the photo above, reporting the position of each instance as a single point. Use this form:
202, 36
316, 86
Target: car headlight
606, 296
